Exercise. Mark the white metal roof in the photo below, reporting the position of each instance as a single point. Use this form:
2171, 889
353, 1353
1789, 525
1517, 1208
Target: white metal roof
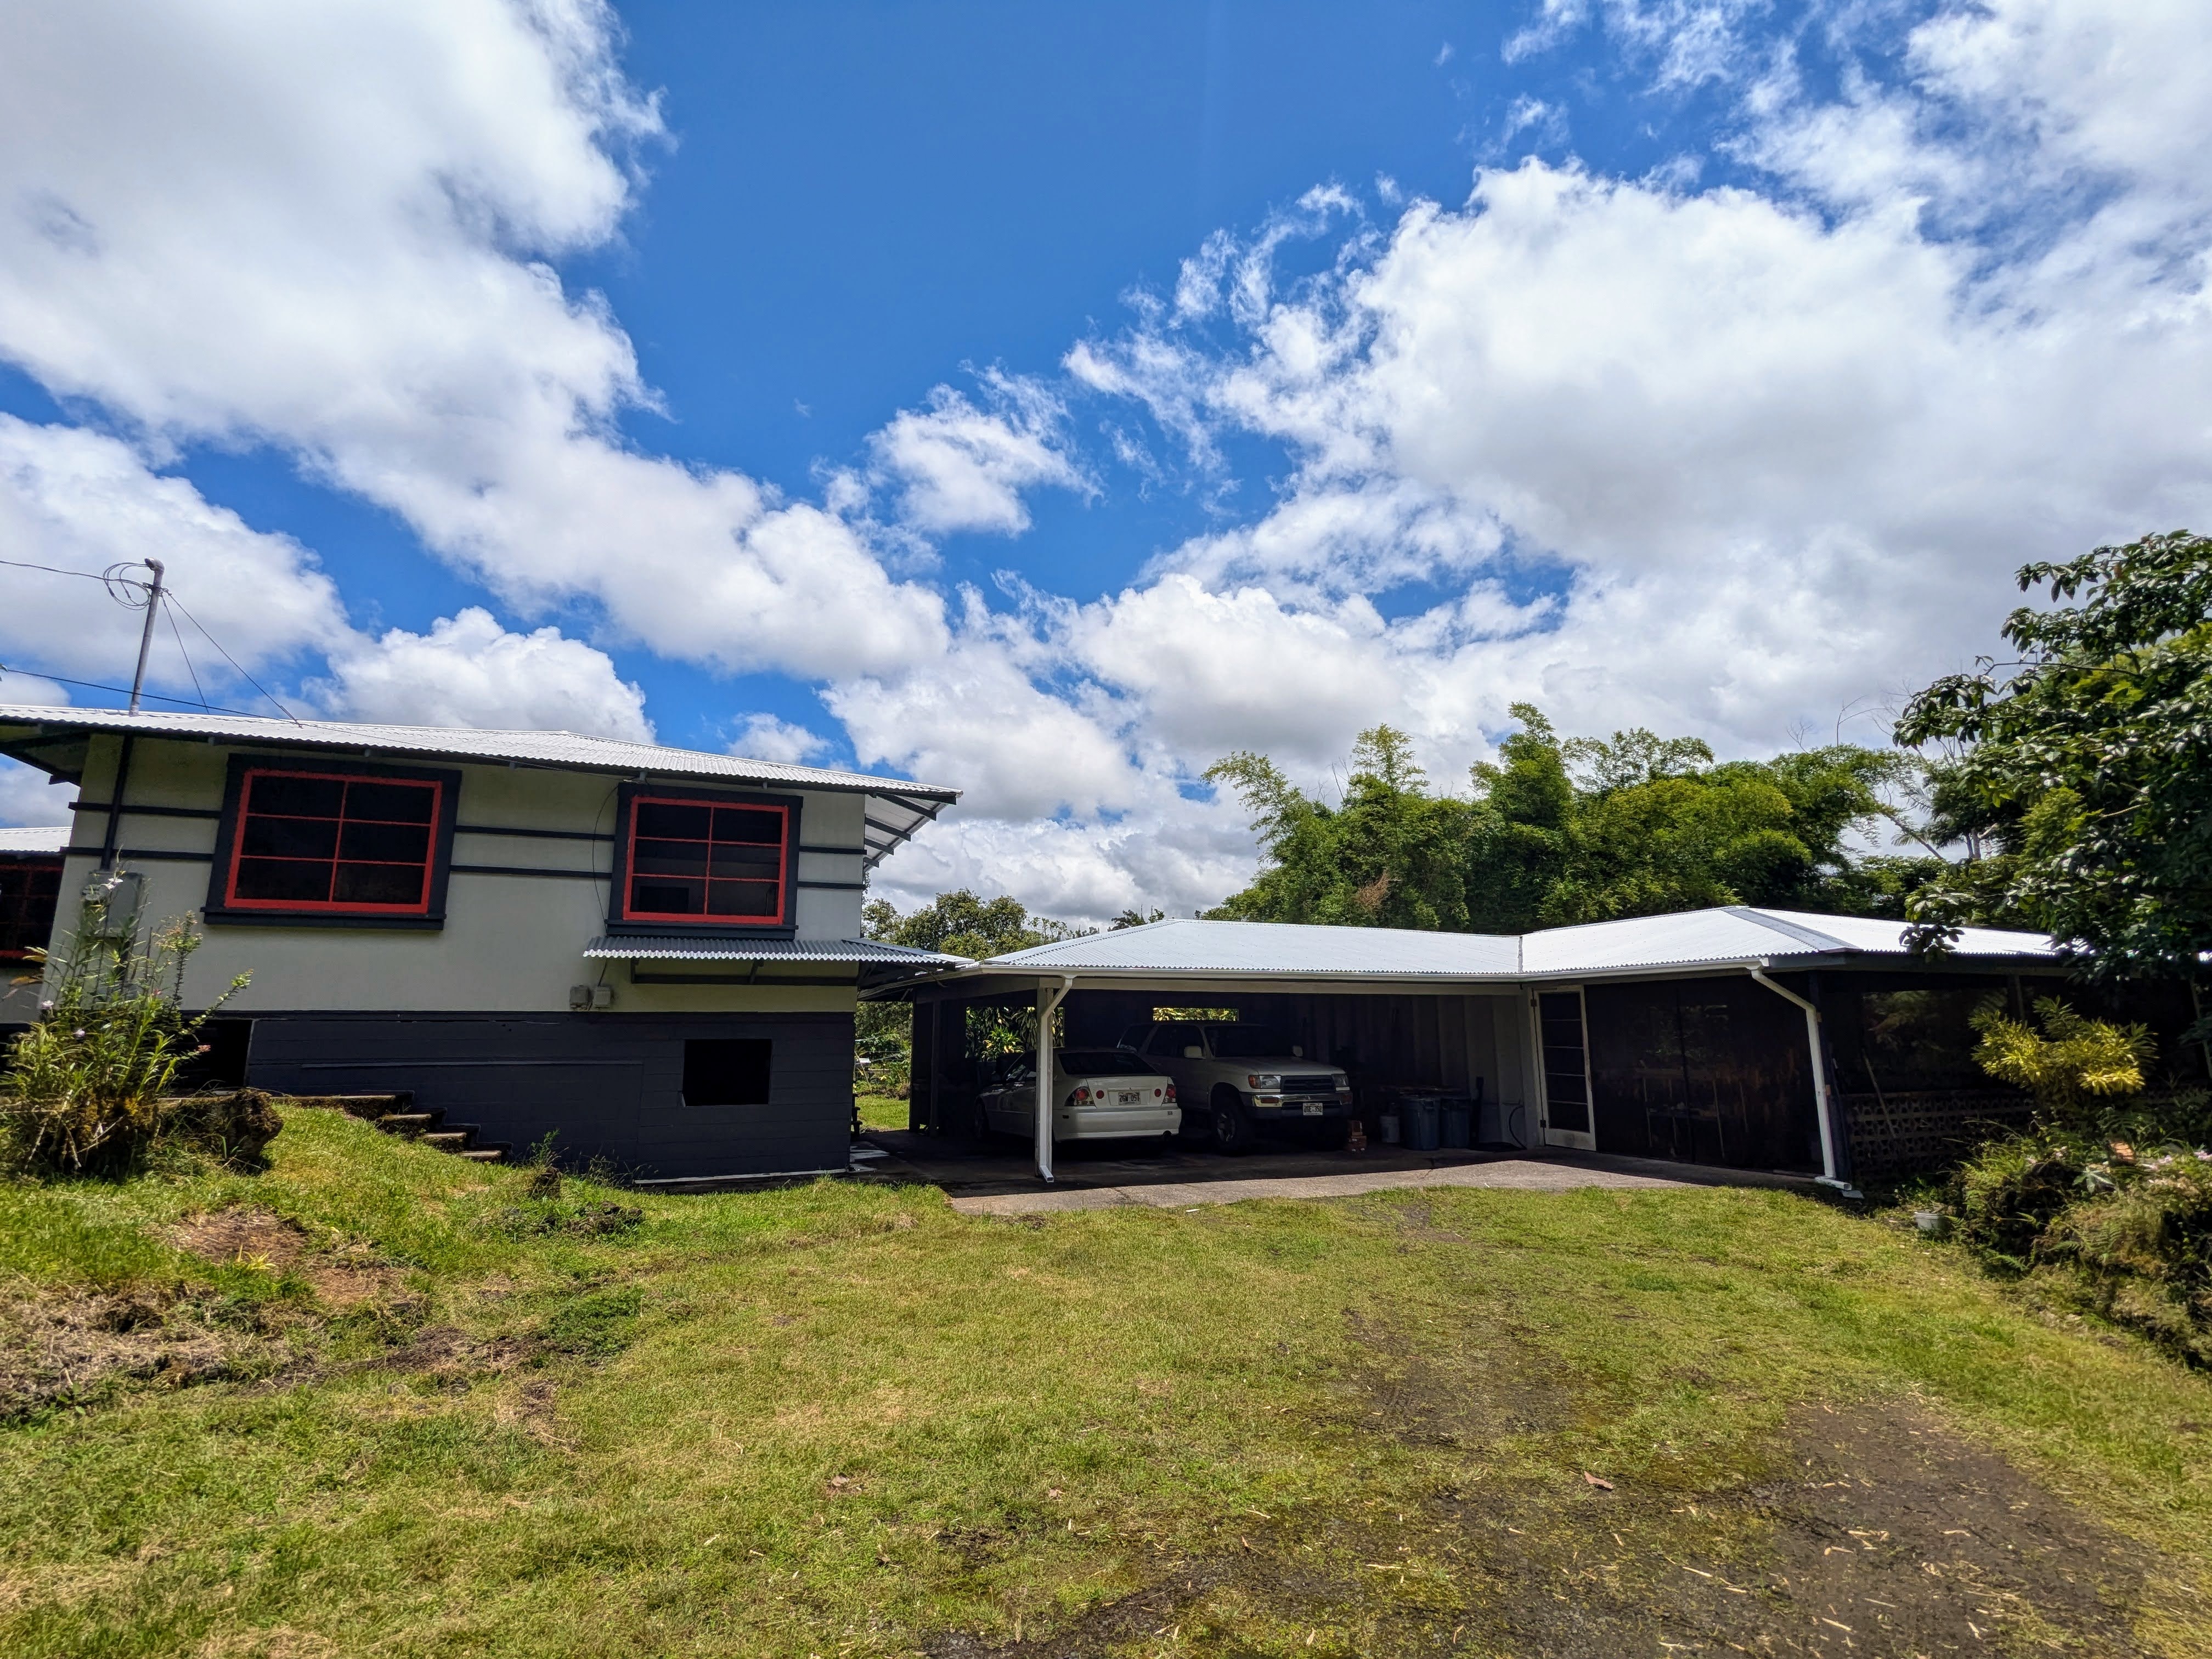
1731, 935
1269, 947
34, 840
1740, 933
896, 808
668, 947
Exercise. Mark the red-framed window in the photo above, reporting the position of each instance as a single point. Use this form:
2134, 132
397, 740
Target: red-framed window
334, 843
29, 889
703, 862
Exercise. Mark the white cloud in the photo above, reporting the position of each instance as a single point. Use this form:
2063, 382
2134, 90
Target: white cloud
468, 671
27, 797
81, 500
763, 737
956, 467
325, 235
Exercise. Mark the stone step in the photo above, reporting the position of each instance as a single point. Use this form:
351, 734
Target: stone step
408, 1123
485, 1154
449, 1141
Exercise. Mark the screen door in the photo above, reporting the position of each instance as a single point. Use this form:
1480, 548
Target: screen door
1563, 1049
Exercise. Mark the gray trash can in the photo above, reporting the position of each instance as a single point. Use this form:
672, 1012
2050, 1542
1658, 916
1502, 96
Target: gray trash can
1456, 1125
1421, 1113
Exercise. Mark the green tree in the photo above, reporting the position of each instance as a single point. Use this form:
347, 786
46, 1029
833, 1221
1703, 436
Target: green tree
1390, 855
957, 923
1580, 829
2078, 778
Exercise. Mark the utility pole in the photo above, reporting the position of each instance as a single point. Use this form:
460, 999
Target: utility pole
146, 638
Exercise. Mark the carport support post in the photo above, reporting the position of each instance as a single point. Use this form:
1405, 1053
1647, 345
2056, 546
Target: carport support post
1820, 1108
1048, 1001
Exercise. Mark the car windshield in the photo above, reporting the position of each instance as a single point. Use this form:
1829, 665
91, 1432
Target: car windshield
1103, 1062
1248, 1042
1166, 1039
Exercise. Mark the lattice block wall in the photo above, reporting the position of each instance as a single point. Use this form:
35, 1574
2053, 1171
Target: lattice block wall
1916, 1134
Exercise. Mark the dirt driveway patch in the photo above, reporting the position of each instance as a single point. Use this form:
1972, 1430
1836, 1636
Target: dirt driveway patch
260, 1239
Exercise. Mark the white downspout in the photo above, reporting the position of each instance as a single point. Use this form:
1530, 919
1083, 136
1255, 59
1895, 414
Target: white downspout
1048, 1004
1820, 1083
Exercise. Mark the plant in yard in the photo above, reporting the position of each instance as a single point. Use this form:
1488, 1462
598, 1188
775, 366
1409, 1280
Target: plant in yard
88, 1090
2071, 1064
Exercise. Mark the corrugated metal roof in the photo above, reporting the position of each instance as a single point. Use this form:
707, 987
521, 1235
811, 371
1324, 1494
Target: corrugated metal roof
897, 808
658, 947
34, 840
1736, 933
1740, 933
1269, 947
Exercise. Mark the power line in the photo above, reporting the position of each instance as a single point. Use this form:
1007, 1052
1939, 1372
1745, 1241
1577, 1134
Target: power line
56, 571
232, 661
179, 634
124, 691
110, 580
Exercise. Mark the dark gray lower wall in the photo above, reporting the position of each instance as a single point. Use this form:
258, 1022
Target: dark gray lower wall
608, 1085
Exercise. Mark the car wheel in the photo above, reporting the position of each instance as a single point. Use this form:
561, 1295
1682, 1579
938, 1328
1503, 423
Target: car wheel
1232, 1130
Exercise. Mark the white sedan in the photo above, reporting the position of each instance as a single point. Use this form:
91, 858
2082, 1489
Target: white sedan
1098, 1094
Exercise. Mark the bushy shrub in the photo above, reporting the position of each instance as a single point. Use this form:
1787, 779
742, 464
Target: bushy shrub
87, 1088
2111, 1228
2105, 1204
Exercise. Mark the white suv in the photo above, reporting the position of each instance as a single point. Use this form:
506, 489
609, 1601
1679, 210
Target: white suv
1235, 1079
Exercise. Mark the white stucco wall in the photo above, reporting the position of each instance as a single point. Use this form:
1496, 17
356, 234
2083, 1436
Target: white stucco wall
510, 942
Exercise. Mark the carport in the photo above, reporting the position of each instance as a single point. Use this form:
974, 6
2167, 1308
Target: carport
1702, 1038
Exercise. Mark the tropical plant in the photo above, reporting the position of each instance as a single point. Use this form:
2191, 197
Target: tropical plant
958, 923
2072, 1063
1566, 831
87, 1090
2078, 778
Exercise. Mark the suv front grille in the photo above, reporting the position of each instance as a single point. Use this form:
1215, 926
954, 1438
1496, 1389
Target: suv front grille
1309, 1086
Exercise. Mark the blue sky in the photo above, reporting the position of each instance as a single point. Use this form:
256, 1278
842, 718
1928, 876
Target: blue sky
1048, 400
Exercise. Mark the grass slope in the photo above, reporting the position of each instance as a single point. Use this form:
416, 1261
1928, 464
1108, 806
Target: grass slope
842, 1418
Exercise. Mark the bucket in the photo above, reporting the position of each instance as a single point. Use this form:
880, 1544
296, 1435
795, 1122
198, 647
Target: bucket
1388, 1124
1455, 1129
1421, 1126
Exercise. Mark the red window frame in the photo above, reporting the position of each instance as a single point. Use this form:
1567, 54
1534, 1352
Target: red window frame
432, 840
784, 810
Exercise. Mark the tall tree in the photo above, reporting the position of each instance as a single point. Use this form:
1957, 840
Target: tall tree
1559, 832
2079, 776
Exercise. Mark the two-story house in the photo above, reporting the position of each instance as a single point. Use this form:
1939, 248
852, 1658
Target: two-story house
653, 954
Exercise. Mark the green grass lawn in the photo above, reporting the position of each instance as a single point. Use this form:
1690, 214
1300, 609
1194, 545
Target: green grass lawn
881, 1112
433, 1415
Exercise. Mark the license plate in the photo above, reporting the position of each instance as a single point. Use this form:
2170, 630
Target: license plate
1131, 1098
1315, 1108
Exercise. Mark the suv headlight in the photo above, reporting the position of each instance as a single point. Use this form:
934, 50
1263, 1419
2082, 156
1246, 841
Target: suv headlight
1264, 1079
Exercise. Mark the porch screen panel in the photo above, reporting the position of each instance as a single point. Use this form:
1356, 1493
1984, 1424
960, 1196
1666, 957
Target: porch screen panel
1566, 1062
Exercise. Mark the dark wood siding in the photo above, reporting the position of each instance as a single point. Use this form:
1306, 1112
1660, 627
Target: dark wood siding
608, 1085
1710, 1070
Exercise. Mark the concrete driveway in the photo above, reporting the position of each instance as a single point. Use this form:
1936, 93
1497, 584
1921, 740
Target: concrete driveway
997, 1179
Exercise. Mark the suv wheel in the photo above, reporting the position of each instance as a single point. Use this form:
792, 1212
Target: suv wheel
1232, 1130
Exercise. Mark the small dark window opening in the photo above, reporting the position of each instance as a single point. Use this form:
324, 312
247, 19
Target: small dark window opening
727, 1071
224, 1065
28, 891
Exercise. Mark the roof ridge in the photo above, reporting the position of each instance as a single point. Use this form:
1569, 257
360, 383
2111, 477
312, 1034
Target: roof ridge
1790, 930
